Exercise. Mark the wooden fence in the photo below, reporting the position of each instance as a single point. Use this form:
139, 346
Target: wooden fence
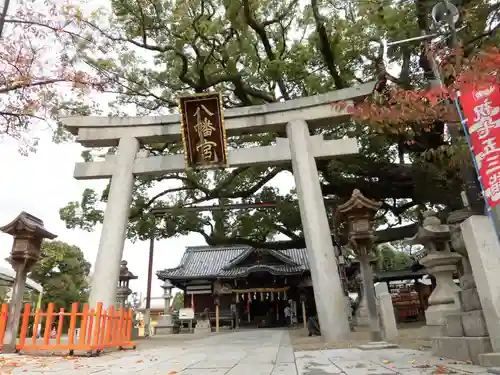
97, 330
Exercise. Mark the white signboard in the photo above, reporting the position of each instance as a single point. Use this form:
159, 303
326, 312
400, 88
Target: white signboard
186, 314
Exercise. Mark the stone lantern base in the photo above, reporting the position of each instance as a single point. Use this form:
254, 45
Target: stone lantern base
165, 325
444, 298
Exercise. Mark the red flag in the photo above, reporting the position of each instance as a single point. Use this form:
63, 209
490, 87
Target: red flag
481, 107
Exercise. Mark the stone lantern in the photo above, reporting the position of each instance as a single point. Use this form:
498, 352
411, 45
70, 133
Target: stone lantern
359, 211
124, 291
167, 295
441, 263
28, 232
457, 242
165, 323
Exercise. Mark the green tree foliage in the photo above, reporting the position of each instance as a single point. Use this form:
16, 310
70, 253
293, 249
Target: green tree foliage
4, 290
390, 259
263, 51
178, 302
63, 272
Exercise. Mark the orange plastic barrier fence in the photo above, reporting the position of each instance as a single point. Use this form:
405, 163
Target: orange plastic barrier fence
99, 329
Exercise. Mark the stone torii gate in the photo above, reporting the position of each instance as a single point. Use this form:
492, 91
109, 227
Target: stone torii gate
296, 117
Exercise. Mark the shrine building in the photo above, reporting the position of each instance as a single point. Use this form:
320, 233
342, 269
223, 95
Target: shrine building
261, 282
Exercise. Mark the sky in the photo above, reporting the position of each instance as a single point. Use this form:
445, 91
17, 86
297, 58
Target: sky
42, 183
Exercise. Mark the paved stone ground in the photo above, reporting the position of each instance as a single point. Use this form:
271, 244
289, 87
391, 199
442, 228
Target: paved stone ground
410, 336
257, 352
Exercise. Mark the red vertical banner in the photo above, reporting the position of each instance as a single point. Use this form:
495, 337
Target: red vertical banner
192, 302
481, 107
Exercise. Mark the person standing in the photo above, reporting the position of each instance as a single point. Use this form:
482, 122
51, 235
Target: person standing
288, 315
234, 316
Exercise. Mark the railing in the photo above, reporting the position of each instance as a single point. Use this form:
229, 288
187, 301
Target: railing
98, 329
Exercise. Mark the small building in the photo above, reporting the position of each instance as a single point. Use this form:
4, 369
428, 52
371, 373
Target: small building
259, 282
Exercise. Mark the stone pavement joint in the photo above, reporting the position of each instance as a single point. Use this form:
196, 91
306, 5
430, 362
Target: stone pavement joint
249, 352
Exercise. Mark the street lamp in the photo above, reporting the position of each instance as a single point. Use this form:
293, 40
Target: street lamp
359, 211
124, 291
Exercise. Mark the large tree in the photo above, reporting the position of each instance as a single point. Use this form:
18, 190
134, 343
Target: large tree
41, 78
63, 272
263, 51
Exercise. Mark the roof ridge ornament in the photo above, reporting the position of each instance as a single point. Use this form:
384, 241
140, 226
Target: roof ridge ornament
251, 250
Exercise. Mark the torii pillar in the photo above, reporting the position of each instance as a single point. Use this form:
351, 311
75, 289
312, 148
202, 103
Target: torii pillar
300, 148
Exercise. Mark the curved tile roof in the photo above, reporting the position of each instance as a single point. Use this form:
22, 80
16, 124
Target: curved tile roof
222, 262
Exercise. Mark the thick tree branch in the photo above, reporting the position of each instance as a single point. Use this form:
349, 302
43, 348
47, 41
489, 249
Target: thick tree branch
261, 32
326, 49
385, 235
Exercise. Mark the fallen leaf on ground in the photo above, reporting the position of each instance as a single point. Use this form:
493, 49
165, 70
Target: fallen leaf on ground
172, 373
139, 361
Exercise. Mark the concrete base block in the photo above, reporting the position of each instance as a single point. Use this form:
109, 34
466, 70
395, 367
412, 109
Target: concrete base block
489, 359
469, 300
454, 326
478, 346
461, 348
473, 324
163, 330
435, 331
377, 345
450, 347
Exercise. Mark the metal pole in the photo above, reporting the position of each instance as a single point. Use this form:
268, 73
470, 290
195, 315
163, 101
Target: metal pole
469, 176
147, 314
414, 39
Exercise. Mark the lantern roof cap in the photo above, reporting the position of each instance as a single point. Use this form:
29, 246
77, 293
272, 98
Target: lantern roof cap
432, 229
26, 222
167, 284
358, 202
125, 274
458, 216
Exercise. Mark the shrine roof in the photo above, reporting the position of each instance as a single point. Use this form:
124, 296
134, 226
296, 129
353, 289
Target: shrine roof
227, 262
400, 275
